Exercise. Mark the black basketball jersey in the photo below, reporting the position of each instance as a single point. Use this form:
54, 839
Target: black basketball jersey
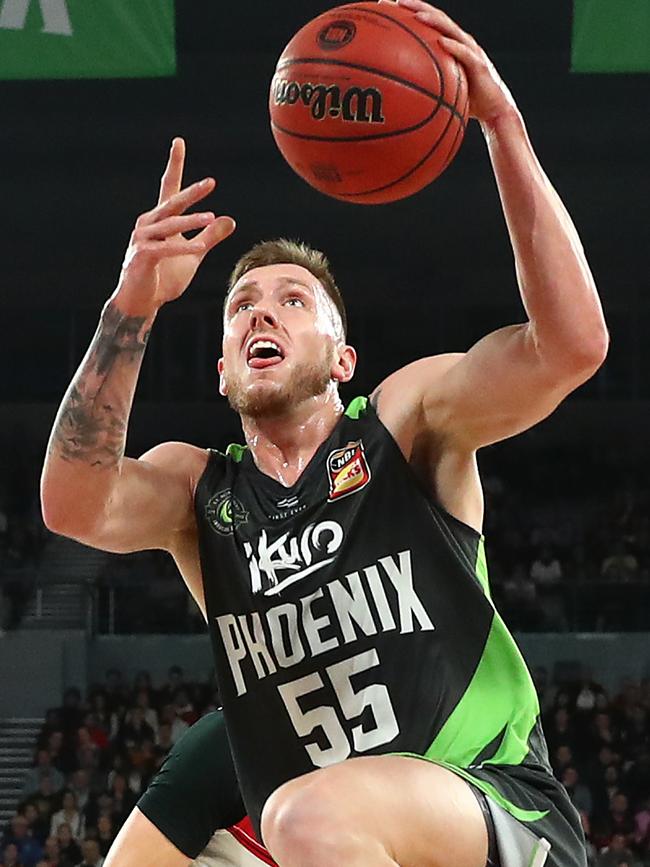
350, 615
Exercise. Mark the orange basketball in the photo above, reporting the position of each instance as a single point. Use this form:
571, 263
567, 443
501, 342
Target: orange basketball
365, 104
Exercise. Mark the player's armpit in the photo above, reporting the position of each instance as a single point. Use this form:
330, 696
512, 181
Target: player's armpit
151, 503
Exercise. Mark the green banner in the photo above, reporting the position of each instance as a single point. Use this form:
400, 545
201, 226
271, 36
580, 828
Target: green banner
611, 36
87, 39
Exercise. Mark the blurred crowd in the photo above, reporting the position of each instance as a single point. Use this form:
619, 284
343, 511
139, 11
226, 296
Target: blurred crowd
599, 746
95, 757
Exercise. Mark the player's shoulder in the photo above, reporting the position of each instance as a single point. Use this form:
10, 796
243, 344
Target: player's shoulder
178, 458
401, 394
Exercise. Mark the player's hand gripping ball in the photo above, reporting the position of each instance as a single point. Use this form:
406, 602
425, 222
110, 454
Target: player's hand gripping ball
366, 105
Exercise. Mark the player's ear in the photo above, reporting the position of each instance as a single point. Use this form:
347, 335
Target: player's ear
223, 388
345, 361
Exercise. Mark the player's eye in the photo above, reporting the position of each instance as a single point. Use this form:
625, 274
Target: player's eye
243, 305
294, 301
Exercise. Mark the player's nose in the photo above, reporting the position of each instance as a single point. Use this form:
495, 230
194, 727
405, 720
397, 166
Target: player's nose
262, 317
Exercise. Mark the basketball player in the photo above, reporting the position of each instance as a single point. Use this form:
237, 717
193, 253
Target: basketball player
192, 810
378, 711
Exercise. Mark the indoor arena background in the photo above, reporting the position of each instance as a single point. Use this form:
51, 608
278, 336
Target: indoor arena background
83, 140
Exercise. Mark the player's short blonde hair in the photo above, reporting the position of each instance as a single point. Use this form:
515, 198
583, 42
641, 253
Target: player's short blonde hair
282, 251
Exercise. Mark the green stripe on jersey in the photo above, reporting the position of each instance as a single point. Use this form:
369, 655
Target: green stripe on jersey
236, 452
500, 706
356, 407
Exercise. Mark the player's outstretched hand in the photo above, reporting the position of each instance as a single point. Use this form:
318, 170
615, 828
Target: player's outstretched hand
160, 262
488, 95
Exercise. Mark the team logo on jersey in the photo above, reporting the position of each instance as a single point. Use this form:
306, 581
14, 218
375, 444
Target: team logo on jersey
224, 512
347, 470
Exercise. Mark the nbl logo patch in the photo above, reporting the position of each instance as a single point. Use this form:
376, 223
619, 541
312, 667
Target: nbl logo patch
336, 35
347, 470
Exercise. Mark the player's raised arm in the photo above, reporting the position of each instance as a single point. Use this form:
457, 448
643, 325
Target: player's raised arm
515, 376
89, 490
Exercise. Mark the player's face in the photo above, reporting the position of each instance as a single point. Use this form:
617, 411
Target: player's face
281, 334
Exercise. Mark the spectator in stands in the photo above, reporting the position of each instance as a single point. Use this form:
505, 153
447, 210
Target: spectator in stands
578, 792
96, 732
69, 813
620, 565
175, 681
123, 800
562, 758
44, 800
163, 744
53, 854
9, 857
43, 767
105, 833
603, 734
38, 827
100, 712
185, 709
560, 731
28, 849
68, 846
134, 730
80, 788
178, 726
616, 853
52, 724
55, 747
618, 820
520, 599
92, 857
546, 574
89, 763
642, 828
143, 702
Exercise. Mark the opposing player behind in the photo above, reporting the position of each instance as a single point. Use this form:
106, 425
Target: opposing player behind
192, 810
368, 684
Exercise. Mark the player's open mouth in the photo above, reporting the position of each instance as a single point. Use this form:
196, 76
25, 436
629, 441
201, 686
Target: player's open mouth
264, 353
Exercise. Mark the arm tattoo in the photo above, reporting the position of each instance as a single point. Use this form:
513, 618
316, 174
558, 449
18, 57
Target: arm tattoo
92, 421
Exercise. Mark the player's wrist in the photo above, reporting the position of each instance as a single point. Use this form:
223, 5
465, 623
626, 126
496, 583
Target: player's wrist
130, 305
120, 310
507, 120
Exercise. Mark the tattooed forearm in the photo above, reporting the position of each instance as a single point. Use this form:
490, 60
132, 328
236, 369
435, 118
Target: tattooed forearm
92, 420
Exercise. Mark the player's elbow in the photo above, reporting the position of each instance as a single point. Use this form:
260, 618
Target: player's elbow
575, 357
589, 351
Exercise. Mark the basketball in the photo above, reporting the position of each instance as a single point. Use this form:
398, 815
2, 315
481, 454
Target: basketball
365, 104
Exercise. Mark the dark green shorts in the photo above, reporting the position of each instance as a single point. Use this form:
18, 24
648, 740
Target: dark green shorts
196, 790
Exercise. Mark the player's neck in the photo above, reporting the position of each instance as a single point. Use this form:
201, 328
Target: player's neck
282, 446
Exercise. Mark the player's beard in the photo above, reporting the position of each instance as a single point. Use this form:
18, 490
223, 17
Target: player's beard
308, 379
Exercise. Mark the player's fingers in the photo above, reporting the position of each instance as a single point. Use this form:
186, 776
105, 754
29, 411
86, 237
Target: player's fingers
156, 250
179, 202
175, 225
437, 18
172, 178
216, 232
466, 55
